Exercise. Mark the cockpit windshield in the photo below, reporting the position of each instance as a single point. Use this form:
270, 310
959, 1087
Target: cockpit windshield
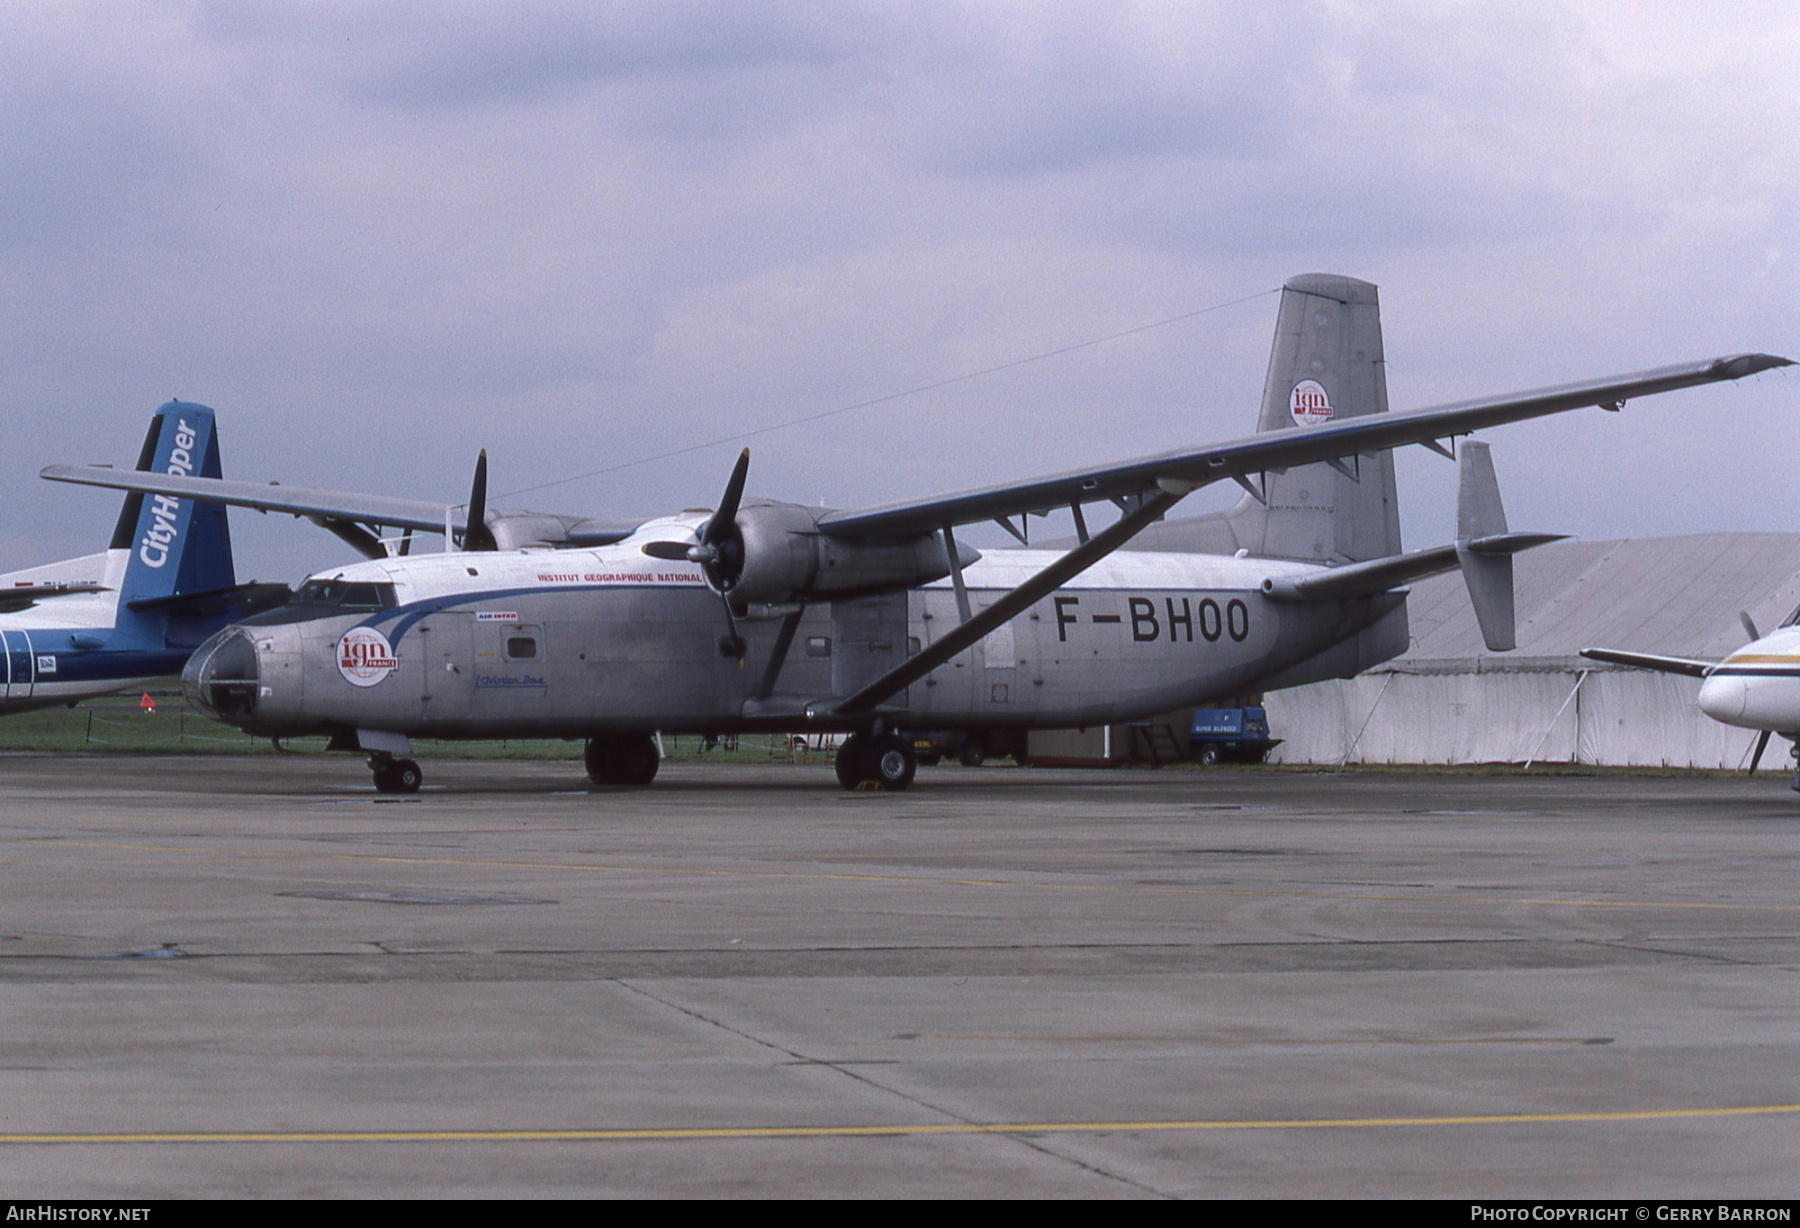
346, 595
328, 598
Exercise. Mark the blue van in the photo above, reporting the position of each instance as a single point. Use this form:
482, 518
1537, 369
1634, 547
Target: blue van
1239, 734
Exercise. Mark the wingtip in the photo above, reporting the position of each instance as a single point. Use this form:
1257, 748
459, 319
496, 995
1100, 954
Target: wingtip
1740, 365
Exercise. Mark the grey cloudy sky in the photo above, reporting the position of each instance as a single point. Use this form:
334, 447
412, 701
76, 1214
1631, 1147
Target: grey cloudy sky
377, 237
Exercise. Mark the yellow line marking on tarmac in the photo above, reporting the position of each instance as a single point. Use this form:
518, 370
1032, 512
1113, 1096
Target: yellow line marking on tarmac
1265, 1042
967, 1128
901, 879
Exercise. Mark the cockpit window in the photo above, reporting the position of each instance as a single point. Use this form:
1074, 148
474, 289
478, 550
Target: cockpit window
327, 599
346, 595
1792, 620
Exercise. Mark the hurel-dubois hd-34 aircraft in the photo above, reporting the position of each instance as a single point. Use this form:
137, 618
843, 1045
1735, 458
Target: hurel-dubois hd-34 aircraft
763, 615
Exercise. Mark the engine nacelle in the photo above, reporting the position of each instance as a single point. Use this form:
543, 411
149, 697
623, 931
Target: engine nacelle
786, 558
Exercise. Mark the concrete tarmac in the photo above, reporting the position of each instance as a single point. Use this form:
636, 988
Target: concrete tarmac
255, 977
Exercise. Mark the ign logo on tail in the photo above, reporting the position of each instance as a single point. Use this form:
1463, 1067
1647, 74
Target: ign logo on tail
1309, 404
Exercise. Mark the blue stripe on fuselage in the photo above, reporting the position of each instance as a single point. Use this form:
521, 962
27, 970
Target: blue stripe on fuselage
405, 617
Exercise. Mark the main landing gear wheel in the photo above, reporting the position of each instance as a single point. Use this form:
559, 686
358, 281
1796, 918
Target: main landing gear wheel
849, 760
886, 762
622, 759
395, 775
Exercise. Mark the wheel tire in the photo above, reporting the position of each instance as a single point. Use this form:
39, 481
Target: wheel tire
849, 761
1209, 756
889, 762
386, 776
407, 776
634, 760
972, 755
625, 759
594, 757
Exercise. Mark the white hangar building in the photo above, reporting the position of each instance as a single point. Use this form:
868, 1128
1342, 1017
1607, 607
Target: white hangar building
1449, 700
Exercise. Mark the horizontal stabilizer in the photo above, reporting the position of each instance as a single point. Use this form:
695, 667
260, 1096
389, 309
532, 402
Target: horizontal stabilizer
1377, 576
24, 596
1645, 660
241, 599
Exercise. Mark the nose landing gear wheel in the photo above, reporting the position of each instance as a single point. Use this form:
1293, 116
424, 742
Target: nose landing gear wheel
396, 775
622, 759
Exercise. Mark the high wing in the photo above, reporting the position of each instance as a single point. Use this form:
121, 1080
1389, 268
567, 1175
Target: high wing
342, 512
1188, 469
274, 497
1645, 660
1128, 483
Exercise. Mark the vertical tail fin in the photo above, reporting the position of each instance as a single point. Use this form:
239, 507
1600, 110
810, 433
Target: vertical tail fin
174, 546
1326, 364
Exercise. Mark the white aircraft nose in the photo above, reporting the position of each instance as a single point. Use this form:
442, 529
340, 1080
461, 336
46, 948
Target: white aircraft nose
1723, 699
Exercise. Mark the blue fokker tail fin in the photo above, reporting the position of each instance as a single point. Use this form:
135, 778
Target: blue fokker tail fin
176, 545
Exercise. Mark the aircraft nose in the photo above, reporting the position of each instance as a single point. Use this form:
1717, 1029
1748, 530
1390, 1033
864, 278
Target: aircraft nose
1723, 699
221, 677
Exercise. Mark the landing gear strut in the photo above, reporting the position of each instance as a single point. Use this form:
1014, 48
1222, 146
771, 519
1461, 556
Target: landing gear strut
622, 759
395, 775
882, 761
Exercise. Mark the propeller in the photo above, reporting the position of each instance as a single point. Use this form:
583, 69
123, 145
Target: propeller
719, 551
1762, 744
478, 536
1762, 739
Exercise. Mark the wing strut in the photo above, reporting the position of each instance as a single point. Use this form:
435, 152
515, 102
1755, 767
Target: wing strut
784, 640
1046, 581
1256, 492
956, 576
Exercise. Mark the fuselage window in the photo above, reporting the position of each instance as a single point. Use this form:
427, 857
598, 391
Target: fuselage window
521, 648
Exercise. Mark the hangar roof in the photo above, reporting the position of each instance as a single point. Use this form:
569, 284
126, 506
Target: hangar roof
1678, 596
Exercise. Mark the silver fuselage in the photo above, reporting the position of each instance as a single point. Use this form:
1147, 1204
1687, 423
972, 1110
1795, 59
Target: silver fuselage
571, 643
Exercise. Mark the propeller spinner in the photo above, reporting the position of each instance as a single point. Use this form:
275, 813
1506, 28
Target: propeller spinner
719, 551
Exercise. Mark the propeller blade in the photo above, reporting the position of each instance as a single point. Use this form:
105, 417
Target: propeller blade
671, 552
723, 521
1762, 744
733, 644
478, 536
1749, 625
